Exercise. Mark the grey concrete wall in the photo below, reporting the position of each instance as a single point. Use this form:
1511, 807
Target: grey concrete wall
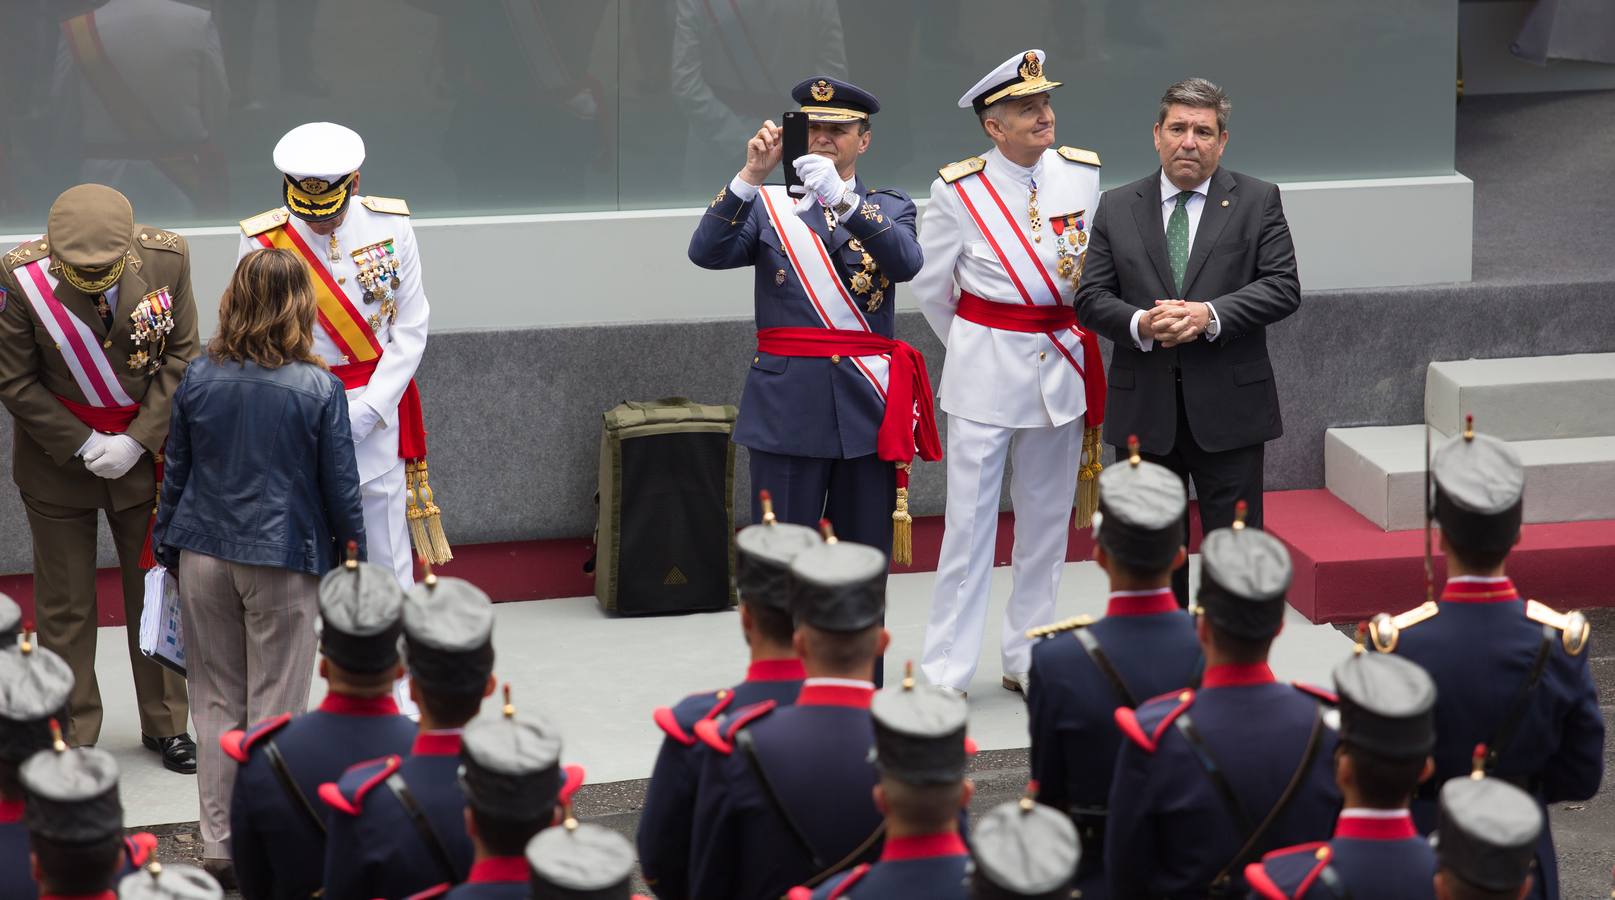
514, 414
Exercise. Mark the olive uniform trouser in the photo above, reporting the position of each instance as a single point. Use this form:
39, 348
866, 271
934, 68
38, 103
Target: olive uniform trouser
64, 604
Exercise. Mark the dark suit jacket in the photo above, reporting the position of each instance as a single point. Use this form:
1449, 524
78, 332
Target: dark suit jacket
1242, 261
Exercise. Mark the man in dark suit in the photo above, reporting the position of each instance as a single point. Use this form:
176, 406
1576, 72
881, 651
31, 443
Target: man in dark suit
1185, 270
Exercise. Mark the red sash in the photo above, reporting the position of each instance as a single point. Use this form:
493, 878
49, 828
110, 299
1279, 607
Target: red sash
909, 425
411, 424
1027, 318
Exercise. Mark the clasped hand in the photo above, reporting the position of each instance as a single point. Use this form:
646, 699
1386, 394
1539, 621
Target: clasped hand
1174, 322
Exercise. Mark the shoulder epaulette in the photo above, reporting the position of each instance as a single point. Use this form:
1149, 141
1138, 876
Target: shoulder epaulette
1384, 630
140, 846
1307, 860
262, 222
436, 890
720, 736
691, 709
391, 206
347, 795
1149, 739
158, 239
841, 889
238, 744
1071, 624
574, 781
954, 171
1312, 690
1573, 627
1079, 155
26, 252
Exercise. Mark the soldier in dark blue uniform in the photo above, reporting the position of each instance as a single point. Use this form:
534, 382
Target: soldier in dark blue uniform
763, 555
75, 820
580, 862
1487, 845
1209, 780
814, 413
277, 824
1145, 646
397, 825
786, 795
515, 786
921, 752
1387, 730
160, 882
1023, 849
1513, 675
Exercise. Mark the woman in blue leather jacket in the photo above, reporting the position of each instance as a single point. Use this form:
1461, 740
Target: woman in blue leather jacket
261, 491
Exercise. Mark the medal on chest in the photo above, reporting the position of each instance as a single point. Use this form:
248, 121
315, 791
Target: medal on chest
150, 322
1070, 239
378, 279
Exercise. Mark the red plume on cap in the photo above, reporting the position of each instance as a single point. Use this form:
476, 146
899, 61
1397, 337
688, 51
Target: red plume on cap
1241, 509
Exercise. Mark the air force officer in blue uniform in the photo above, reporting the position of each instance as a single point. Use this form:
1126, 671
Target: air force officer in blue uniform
814, 403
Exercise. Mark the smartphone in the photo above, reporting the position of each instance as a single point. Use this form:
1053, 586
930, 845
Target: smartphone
794, 144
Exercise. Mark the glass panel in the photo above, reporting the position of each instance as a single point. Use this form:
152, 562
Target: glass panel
515, 106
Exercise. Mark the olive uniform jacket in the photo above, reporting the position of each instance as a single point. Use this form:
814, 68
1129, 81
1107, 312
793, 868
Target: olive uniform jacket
33, 372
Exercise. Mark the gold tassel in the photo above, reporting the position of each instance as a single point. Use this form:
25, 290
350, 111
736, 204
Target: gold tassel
902, 522
1088, 478
425, 518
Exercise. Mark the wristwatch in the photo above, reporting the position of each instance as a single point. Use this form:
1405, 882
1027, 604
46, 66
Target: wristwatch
847, 203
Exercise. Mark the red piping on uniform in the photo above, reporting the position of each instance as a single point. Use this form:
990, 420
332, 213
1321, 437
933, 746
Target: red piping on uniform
923, 847
346, 705
669, 723
1263, 886
230, 743
1359, 828
1493, 590
499, 869
1237, 675
429, 743
836, 695
776, 670
1162, 601
10, 811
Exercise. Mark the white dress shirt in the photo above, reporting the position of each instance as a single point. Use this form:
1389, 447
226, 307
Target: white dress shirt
1196, 204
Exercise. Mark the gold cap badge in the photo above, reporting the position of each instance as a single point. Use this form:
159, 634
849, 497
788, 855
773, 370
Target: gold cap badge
1032, 68
822, 90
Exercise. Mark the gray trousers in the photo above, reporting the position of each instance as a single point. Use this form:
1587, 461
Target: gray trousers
249, 655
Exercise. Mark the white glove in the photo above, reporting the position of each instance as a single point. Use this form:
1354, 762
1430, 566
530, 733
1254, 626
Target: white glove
112, 456
819, 176
362, 419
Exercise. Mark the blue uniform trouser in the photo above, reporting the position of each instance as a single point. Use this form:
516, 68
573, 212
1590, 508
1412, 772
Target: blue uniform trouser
857, 495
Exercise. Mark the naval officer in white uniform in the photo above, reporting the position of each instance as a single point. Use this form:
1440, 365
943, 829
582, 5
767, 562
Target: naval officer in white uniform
1003, 238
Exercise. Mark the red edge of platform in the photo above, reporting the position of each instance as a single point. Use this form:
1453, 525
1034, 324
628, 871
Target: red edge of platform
1346, 568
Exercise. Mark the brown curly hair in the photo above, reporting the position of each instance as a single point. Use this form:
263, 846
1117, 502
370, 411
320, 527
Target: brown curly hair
267, 313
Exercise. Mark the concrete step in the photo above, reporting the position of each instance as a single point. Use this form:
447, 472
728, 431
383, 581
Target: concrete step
1524, 398
1380, 473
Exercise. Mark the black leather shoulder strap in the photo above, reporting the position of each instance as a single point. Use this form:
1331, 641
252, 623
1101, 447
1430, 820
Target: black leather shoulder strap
1331, 880
423, 826
283, 774
1521, 701
1214, 771
744, 743
1096, 653
1252, 848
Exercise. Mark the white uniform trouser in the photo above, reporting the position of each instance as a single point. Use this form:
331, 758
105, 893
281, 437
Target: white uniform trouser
1042, 485
386, 527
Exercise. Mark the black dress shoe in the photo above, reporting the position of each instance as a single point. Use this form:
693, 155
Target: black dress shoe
178, 752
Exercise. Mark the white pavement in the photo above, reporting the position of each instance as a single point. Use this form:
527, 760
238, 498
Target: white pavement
599, 678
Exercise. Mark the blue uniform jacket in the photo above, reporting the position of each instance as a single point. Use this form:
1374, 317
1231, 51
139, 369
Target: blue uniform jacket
669, 813
914, 868
803, 406
1151, 644
1170, 831
373, 848
1479, 649
278, 853
816, 754
494, 878
1368, 857
15, 881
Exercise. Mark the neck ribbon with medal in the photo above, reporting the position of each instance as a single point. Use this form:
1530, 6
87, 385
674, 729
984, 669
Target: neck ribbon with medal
864, 281
378, 278
1069, 237
151, 321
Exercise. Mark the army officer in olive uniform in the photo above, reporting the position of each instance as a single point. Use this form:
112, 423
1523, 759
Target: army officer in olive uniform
96, 327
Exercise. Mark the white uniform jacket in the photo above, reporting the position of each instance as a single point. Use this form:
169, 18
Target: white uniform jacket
1006, 378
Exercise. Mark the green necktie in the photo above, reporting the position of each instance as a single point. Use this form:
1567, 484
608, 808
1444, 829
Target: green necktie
1177, 238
